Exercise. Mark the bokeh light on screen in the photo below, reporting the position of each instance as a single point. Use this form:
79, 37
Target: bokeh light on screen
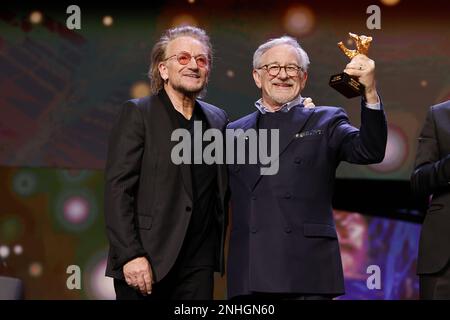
140, 89
396, 151
390, 2
183, 20
108, 21
35, 269
76, 210
97, 285
4, 252
18, 249
299, 20
24, 183
36, 17
230, 73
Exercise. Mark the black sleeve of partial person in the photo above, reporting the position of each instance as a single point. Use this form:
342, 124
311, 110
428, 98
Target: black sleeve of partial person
430, 177
431, 171
122, 171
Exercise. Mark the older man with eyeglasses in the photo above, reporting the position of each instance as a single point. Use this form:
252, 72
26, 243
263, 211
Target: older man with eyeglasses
166, 222
283, 241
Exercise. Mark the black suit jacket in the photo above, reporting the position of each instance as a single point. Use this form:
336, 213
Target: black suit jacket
432, 177
148, 199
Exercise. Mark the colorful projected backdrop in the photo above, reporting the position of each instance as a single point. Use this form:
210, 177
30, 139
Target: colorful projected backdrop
60, 89
51, 219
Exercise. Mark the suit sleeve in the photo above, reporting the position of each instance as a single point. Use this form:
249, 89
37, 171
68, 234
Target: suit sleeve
431, 173
364, 146
125, 150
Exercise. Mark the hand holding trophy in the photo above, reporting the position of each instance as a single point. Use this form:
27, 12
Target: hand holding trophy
347, 82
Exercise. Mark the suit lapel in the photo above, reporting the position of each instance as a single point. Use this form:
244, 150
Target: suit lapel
168, 122
213, 120
299, 119
252, 121
250, 172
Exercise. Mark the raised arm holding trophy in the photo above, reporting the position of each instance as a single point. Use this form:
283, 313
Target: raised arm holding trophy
354, 81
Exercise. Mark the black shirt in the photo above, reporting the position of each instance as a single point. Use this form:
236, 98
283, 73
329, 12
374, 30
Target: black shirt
200, 242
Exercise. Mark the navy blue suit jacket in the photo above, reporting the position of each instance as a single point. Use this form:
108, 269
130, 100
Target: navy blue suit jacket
283, 237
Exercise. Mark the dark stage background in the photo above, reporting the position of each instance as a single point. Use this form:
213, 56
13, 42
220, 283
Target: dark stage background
60, 91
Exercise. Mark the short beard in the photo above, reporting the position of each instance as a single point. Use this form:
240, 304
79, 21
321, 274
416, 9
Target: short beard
192, 94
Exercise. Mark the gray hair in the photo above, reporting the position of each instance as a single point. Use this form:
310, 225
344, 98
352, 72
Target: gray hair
159, 52
303, 56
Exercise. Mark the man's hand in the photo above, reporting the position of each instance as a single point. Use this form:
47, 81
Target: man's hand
364, 69
308, 103
138, 274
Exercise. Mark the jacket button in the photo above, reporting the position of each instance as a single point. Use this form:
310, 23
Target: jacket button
254, 230
298, 160
253, 197
188, 209
287, 195
287, 230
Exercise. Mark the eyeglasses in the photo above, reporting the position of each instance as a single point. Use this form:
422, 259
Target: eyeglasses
184, 58
274, 69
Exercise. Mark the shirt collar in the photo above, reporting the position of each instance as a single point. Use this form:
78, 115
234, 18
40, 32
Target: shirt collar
284, 108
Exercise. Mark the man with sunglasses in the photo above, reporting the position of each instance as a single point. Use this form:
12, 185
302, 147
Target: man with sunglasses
283, 241
166, 222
